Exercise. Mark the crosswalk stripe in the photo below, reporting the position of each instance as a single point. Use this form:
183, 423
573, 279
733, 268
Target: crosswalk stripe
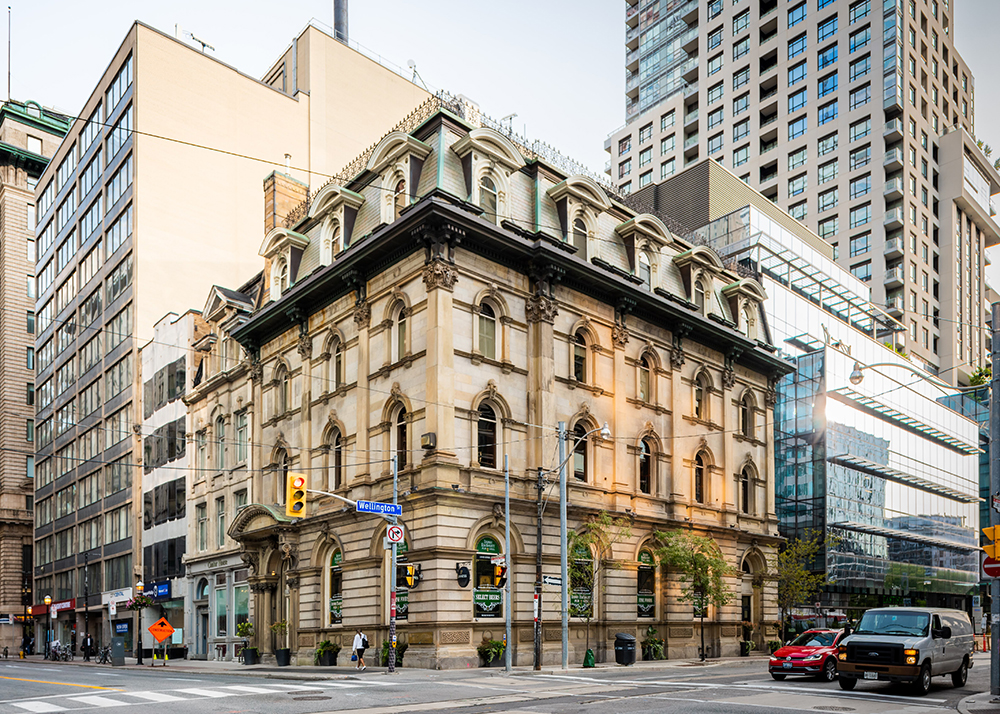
39, 707
97, 701
205, 693
295, 687
156, 696
250, 690
345, 685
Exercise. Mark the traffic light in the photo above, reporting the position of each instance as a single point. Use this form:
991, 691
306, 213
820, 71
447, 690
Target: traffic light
407, 576
993, 549
499, 576
295, 495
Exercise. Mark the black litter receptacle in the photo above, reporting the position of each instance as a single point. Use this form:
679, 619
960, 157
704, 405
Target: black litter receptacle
624, 648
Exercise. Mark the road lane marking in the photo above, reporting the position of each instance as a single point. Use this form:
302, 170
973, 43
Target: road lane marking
39, 707
62, 684
211, 693
250, 690
182, 679
297, 687
97, 701
156, 696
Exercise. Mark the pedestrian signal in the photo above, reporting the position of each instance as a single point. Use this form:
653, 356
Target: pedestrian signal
499, 575
993, 549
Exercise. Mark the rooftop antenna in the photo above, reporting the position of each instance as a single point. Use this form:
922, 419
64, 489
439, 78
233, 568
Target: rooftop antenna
8, 53
416, 75
204, 45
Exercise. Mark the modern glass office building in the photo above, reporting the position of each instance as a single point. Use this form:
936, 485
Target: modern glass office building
882, 466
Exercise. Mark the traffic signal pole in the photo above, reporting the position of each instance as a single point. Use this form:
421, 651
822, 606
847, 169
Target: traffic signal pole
392, 577
994, 490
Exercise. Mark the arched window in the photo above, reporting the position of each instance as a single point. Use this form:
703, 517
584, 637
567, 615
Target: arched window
337, 366
644, 394
701, 392
580, 357
747, 426
487, 331
220, 443
645, 466
487, 437
400, 333
646, 585
336, 460
699, 296
336, 580
580, 237
488, 199
746, 498
487, 598
281, 402
335, 241
645, 271
282, 275
580, 453
699, 478
401, 445
747, 328
399, 198
201, 592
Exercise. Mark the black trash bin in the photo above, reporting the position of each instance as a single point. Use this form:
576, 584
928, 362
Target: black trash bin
624, 648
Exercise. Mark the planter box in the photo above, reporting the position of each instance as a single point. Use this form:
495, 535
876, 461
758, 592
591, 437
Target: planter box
744, 648
283, 656
250, 656
497, 661
328, 659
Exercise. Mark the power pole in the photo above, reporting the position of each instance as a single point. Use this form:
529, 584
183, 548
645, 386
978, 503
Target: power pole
994, 490
538, 573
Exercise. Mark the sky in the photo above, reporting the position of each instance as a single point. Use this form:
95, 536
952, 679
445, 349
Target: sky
557, 64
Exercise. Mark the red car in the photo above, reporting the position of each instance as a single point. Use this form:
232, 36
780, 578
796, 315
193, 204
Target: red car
813, 652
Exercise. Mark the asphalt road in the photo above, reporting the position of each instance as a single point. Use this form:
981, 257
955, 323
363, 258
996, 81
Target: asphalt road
731, 686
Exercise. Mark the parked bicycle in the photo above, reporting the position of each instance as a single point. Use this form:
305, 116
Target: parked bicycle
104, 655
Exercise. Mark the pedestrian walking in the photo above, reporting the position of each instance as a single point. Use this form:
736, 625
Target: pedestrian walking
360, 645
88, 647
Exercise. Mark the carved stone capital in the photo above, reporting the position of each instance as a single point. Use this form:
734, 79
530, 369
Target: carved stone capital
439, 274
305, 345
256, 369
728, 378
362, 315
676, 356
539, 308
771, 393
619, 335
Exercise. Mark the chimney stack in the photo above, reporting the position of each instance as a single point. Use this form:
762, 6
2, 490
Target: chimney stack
282, 193
340, 20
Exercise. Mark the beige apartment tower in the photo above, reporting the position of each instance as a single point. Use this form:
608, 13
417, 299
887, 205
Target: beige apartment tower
153, 196
856, 117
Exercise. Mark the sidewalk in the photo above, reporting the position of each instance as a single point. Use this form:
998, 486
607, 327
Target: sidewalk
981, 703
315, 673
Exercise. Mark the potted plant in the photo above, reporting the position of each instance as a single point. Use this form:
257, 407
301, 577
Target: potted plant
326, 654
283, 655
774, 645
245, 629
747, 644
384, 654
652, 646
490, 653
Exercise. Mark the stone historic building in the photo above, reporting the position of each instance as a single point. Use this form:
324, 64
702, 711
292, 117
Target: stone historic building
447, 301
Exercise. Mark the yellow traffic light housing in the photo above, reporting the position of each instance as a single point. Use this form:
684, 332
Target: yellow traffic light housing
993, 549
295, 495
407, 575
499, 576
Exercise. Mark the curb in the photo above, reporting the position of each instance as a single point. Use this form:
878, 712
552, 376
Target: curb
984, 697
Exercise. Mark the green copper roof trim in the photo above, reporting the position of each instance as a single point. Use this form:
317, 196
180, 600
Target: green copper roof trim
46, 122
440, 156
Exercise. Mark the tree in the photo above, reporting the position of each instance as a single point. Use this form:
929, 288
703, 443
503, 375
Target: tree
702, 568
795, 574
589, 553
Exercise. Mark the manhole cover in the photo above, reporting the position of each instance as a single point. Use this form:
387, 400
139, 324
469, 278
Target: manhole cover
310, 699
833, 709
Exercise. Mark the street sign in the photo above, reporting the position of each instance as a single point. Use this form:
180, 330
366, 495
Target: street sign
394, 533
551, 580
991, 568
161, 629
382, 509
498, 559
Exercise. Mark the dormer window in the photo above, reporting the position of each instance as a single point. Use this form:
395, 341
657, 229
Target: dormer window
699, 296
399, 198
282, 273
337, 208
284, 248
580, 237
645, 271
489, 199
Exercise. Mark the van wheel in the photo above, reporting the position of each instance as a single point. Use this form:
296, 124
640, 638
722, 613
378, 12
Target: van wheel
829, 670
960, 675
778, 676
923, 683
847, 683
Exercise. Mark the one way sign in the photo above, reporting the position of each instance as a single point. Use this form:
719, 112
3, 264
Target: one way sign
551, 580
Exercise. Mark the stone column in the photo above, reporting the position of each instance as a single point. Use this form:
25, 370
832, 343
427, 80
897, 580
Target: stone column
362, 320
624, 380
439, 278
540, 312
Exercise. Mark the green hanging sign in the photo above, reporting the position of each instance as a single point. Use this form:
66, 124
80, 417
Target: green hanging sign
488, 544
645, 557
402, 604
581, 602
645, 605
336, 608
487, 603
335, 560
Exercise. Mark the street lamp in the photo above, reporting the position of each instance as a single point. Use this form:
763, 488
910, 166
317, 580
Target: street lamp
48, 629
138, 626
563, 555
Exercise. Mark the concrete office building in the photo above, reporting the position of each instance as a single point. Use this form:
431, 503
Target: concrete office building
885, 464
146, 203
856, 117
29, 135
